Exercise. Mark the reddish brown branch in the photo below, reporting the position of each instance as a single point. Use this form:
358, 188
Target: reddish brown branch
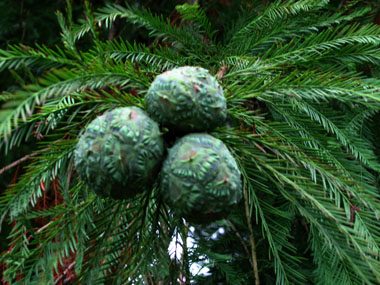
241, 241
251, 237
65, 272
21, 160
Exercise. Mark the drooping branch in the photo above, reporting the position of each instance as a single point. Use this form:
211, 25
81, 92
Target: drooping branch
251, 237
241, 241
21, 160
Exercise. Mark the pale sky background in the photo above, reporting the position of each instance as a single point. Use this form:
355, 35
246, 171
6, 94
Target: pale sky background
175, 250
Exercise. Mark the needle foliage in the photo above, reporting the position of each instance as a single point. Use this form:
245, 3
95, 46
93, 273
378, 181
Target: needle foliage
303, 110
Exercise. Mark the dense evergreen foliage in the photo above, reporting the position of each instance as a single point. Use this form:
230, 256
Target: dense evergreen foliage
303, 104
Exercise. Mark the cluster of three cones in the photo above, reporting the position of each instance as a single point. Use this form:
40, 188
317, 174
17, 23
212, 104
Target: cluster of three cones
121, 152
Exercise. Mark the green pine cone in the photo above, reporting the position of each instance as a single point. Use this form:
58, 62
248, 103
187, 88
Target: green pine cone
200, 178
120, 153
187, 99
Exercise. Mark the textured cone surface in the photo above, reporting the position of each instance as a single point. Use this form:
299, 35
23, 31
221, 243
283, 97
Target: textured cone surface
200, 178
120, 153
187, 99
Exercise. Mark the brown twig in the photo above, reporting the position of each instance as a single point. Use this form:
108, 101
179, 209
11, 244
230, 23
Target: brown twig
21, 23
21, 160
241, 241
184, 278
44, 227
60, 277
221, 71
251, 237
69, 177
112, 34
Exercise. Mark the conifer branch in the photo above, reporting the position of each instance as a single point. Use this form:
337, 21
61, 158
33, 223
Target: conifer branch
242, 243
303, 98
251, 236
21, 160
61, 276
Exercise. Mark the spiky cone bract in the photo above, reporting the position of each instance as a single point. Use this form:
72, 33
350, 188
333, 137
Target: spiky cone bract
120, 153
187, 99
200, 178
